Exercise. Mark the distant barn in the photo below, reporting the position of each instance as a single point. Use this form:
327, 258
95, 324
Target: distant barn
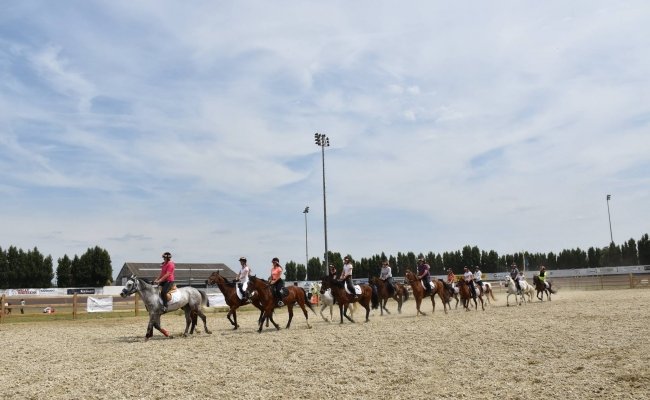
186, 273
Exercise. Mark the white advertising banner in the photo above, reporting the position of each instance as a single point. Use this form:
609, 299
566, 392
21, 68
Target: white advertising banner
217, 300
99, 304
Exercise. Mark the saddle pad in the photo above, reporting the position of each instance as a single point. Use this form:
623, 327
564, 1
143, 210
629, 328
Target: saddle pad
243, 287
357, 289
172, 303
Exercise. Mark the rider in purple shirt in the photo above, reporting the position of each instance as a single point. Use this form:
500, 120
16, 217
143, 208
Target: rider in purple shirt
423, 274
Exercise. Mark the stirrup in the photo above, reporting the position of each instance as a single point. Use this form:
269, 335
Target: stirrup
280, 303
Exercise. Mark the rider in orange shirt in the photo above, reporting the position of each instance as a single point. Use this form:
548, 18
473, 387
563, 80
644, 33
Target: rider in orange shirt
451, 281
276, 280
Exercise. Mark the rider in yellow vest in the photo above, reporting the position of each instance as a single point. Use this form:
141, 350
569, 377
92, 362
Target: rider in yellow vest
542, 275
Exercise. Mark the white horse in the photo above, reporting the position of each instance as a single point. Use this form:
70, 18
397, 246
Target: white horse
527, 289
327, 300
512, 290
191, 300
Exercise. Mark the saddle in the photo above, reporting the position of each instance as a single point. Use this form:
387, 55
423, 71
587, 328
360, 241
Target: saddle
357, 289
171, 292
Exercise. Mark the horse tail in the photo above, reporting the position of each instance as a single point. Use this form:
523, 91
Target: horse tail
205, 301
406, 293
374, 299
492, 294
307, 302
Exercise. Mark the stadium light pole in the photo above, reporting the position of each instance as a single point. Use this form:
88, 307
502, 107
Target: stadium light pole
323, 141
306, 249
611, 237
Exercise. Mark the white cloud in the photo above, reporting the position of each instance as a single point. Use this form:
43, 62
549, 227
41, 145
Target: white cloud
192, 128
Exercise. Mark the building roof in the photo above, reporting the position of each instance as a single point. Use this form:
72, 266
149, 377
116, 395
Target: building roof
185, 273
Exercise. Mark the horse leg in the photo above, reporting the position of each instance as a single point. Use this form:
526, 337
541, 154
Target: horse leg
188, 320
155, 322
304, 311
418, 301
201, 315
290, 310
321, 311
367, 307
433, 302
444, 303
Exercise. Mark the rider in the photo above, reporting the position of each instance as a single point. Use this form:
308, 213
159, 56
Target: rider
276, 280
451, 281
387, 276
332, 271
514, 274
478, 278
468, 277
423, 274
166, 277
242, 277
346, 275
542, 275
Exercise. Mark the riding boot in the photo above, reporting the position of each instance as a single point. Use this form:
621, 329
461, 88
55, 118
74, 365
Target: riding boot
164, 308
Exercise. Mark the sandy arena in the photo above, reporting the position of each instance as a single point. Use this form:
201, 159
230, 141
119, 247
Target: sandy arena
582, 345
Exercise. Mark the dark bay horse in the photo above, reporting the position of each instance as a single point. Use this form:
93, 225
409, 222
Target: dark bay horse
290, 296
437, 287
366, 299
229, 290
189, 299
400, 294
466, 295
541, 288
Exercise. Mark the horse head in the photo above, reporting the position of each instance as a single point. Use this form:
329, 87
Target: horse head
131, 286
315, 288
215, 278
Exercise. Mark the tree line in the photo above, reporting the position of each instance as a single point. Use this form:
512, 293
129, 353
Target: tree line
630, 252
31, 269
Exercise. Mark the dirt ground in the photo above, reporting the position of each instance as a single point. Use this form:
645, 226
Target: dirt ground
583, 344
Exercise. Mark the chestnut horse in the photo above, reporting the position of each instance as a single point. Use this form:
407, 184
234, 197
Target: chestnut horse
399, 294
229, 290
290, 296
367, 298
437, 287
465, 293
541, 288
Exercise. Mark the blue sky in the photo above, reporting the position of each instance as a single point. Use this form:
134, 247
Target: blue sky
149, 126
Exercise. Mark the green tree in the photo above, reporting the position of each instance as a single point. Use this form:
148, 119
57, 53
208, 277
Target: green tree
629, 253
64, 272
593, 257
290, 271
644, 250
301, 272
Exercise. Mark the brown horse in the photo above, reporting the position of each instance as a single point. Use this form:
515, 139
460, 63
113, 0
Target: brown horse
290, 296
399, 294
229, 290
541, 288
437, 287
466, 295
367, 298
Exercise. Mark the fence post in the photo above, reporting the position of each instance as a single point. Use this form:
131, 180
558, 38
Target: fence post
137, 296
74, 306
631, 281
2, 308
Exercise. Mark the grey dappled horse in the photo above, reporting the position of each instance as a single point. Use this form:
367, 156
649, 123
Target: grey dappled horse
191, 301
